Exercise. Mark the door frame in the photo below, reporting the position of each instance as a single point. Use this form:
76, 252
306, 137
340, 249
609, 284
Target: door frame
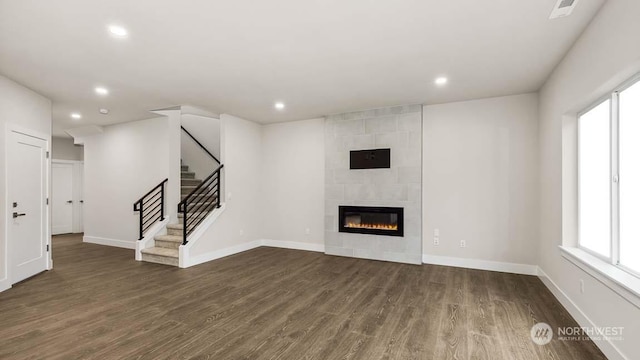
77, 222
9, 130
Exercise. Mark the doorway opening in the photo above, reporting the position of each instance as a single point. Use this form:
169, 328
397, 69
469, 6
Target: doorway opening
67, 187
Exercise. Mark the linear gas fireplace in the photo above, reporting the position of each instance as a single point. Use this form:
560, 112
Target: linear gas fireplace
371, 220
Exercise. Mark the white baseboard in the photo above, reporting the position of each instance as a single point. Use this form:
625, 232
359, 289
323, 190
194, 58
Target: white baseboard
217, 254
109, 242
5, 284
293, 245
607, 347
480, 264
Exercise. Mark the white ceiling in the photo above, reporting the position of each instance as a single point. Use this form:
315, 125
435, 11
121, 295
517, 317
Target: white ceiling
239, 57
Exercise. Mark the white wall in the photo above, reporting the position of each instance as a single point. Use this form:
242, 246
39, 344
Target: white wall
122, 164
65, 149
480, 174
239, 223
292, 182
207, 131
27, 109
607, 53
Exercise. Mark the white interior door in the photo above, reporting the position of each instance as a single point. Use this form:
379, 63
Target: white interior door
78, 188
61, 198
27, 190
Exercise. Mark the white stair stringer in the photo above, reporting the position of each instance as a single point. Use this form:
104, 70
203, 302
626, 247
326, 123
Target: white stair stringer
148, 241
184, 257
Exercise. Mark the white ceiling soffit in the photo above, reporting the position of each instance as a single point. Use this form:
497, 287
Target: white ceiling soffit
186, 110
192, 110
240, 57
81, 132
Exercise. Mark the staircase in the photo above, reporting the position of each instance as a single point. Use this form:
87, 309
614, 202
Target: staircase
199, 199
166, 246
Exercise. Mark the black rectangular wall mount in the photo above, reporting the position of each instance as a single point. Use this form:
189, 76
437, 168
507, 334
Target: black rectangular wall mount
370, 159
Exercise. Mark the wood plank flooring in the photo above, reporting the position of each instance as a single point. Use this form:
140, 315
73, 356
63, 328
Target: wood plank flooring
267, 303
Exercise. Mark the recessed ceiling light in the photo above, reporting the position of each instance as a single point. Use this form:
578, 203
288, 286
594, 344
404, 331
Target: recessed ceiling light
279, 105
102, 91
104, 111
441, 80
118, 31
76, 116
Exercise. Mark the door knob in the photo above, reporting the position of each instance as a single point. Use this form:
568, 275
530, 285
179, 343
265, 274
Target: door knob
69, 201
15, 215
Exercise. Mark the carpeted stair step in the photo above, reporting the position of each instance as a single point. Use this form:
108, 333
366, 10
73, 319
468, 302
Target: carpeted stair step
195, 201
160, 255
193, 216
186, 190
201, 207
184, 167
168, 241
190, 182
195, 198
187, 175
175, 229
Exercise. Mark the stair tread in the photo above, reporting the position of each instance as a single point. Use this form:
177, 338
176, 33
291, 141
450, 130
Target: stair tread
159, 251
199, 213
175, 226
195, 202
172, 238
195, 196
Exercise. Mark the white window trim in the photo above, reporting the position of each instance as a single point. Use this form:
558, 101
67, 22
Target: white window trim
592, 257
620, 281
614, 179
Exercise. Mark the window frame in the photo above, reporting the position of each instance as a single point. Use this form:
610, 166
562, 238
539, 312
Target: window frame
594, 105
614, 174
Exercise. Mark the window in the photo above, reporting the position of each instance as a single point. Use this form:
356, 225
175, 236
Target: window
609, 179
594, 189
629, 145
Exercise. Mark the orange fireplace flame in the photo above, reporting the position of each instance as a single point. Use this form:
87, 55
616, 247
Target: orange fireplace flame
389, 227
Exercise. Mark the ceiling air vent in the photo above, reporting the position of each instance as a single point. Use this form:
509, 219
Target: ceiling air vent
563, 8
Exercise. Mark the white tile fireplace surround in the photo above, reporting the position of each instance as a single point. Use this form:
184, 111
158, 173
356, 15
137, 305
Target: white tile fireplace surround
398, 128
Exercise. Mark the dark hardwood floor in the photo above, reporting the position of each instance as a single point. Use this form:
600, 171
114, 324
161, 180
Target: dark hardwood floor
267, 303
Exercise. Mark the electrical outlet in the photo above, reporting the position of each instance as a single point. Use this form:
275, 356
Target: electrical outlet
307, 231
463, 244
436, 232
581, 286
241, 232
436, 241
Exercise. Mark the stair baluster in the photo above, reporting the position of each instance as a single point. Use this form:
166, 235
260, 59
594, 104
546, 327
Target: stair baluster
151, 207
200, 202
